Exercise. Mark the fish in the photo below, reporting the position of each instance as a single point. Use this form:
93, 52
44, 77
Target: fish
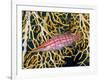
57, 42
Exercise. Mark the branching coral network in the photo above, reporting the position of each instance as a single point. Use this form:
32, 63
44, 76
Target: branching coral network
38, 26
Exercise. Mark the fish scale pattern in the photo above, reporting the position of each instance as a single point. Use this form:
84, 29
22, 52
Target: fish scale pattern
40, 26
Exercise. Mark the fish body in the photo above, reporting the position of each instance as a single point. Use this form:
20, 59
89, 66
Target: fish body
58, 42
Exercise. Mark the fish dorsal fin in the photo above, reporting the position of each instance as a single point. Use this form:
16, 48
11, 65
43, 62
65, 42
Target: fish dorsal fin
68, 33
56, 35
59, 34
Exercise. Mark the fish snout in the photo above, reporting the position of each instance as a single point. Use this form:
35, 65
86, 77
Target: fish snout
78, 37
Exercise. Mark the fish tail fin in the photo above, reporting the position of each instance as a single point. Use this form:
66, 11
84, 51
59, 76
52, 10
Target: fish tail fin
34, 50
37, 49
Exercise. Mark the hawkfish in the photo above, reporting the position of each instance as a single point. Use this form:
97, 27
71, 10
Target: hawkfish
57, 42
